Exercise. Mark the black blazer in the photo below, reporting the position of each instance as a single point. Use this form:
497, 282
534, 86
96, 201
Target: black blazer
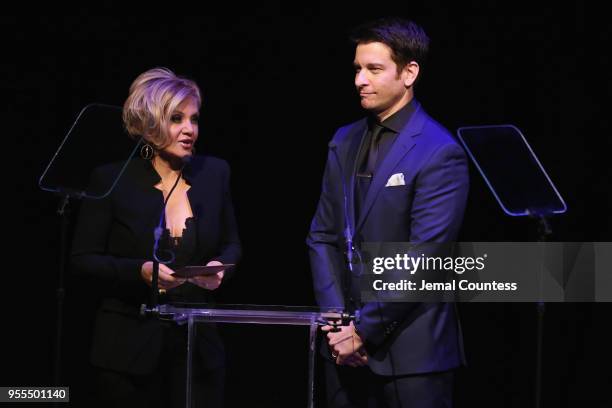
114, 237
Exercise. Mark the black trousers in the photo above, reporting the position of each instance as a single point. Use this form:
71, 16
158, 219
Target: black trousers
167, 385
359, 387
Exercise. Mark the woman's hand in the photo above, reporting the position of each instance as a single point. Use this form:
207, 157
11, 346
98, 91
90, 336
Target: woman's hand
165, 279
210, 282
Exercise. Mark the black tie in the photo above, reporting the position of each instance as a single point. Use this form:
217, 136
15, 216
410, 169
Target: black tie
364, 178
373, 152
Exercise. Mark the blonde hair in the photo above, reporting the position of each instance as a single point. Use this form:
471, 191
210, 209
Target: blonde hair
153, 97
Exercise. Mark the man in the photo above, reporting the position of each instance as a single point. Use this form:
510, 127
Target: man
406, 180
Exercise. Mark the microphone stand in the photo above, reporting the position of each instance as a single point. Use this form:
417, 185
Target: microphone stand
63, 211
544, 234
152, 308
349, 312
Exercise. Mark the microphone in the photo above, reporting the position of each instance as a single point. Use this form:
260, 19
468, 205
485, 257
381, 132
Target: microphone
348, 234
159, 230
157, 234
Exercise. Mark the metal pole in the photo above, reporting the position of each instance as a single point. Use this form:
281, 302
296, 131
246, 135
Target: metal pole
311, 361
190, 345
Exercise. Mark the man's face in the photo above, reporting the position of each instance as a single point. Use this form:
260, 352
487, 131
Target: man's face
381, 89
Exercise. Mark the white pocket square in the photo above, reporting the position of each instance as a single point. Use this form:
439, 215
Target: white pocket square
396, 180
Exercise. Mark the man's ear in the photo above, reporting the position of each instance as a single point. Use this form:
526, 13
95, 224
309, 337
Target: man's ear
410, 72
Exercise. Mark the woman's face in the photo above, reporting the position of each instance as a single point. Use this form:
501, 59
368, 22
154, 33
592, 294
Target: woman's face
183, 130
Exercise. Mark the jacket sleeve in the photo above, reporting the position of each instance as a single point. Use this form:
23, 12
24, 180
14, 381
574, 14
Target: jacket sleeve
119, 276
437, 211
326, 258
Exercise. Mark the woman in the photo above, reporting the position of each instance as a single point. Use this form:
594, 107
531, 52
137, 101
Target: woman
141, 361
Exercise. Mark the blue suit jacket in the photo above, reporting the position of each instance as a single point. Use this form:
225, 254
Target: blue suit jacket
401, 338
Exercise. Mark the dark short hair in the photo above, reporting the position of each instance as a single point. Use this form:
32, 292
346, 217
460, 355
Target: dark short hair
408, 41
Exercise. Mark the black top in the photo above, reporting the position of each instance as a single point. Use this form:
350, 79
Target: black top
391, 127
183, 248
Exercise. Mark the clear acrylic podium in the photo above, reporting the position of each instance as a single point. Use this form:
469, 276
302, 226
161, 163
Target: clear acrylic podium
192, 314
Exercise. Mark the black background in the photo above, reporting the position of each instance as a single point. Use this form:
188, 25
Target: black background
275, 87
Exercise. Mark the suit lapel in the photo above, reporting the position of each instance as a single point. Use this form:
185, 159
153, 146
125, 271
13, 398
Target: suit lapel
195, 194
403, 144
153, 199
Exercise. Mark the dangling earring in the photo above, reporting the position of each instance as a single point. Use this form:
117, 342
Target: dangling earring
146, 151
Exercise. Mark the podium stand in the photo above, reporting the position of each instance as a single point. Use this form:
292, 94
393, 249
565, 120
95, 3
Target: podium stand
521, 186
191, 314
